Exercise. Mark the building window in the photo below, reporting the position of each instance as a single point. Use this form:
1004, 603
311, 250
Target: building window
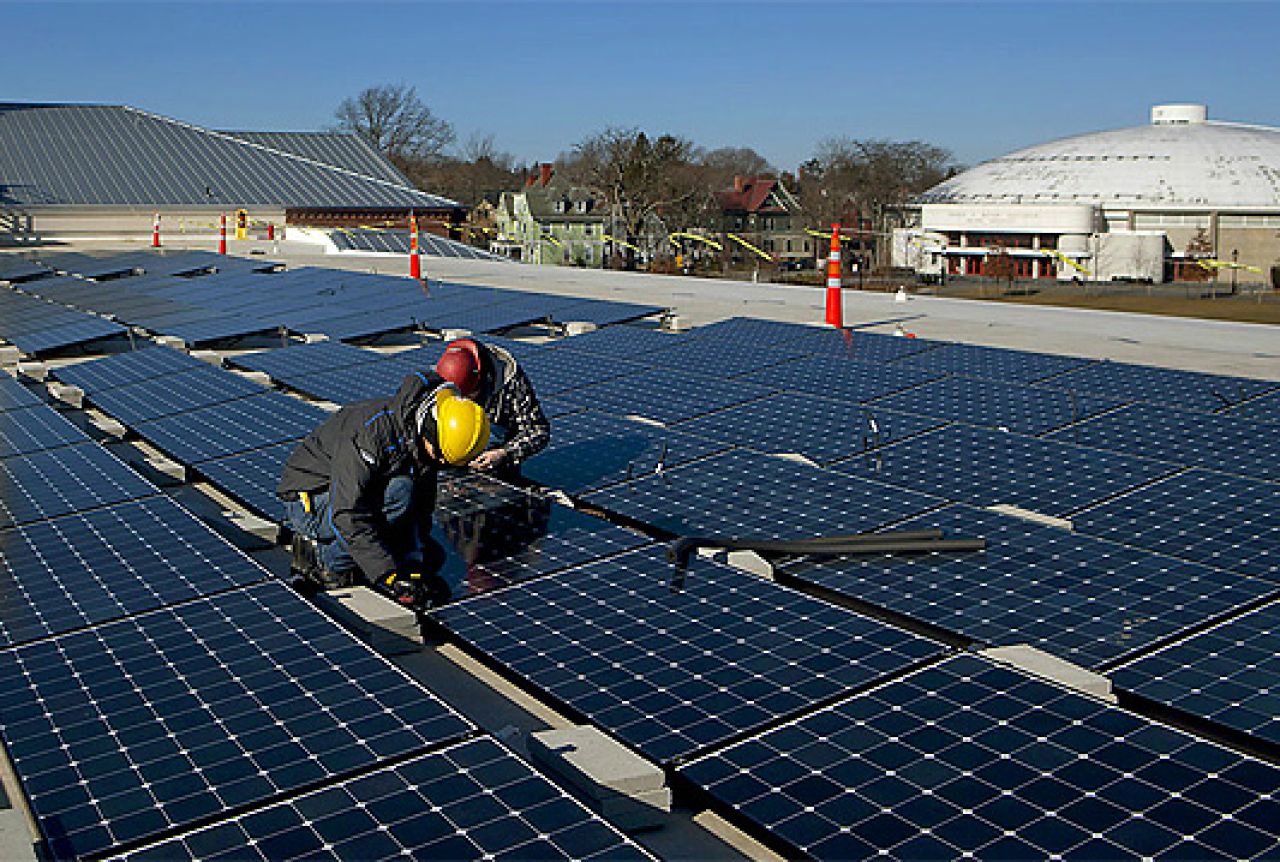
586, 230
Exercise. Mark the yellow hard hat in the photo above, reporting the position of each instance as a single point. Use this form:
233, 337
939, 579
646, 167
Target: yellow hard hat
462, 428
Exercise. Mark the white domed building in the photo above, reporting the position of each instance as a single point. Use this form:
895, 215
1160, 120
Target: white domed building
1137, 203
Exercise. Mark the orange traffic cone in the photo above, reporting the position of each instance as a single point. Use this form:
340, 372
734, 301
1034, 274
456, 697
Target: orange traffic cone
155, 231
415, 265
835, 308
222, 236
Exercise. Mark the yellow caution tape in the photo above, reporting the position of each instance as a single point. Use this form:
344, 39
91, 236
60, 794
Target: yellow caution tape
1211, 263
736, 238
621, 242
717, 246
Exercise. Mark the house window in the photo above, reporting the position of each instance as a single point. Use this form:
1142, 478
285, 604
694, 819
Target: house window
546, 230
581, 206
586, 230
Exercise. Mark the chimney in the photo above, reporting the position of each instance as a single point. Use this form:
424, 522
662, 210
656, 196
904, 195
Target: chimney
739, 183
530, 180
545, 173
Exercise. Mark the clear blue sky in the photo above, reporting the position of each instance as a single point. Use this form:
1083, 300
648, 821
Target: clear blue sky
978, 78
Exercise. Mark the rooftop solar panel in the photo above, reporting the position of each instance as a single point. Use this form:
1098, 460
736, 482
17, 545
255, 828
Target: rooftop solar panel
1226, 674
745, 495
861, 346
251, 477
1190, 390
754, 332
665, 395
1085, 600
492, 318
601, 312
352, 383
967, 759
15, 269
821, 429
473, 800
60, 481
300, 359
36, 326
89, 265
627, 342
671, 672
131, 729
180, 392
233, 426
35, 429
1211, 518
1218, 442
87, 568
988, 468
218, 327
996, 363
1263, 409
561, 371
838, 377
997, 404
122, 369
15, 396
590, 450
716, 359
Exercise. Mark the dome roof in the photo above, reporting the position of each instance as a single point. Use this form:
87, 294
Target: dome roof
1179, 161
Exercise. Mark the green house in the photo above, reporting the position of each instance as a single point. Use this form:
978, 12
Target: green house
548, 222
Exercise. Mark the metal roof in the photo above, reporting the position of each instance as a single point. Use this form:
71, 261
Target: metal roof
103, 155
1180, 165
337, 149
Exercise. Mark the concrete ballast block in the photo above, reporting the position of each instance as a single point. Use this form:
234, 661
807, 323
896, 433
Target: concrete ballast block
1046, 666
378, 621
67, 394
9, 355
596, 764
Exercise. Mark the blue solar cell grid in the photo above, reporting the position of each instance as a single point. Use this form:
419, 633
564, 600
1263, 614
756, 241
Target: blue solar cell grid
235, 426
742, 494
473, 800
14, 396
173, 393
1189, 390
673, 671
36, 429
1220, 520
251, 477
1079, 598
557, 371
217, 327
968, 759
590, 450
711, 358
15, 269
821, 429
995, 363
134, 728
1264, 409
302, 359
353, 383
1226, 674
665, 395
60, 481
1217, 442
626, 342
125, 368
602, 312
861, 346
86, 568
753, 332
988, 468
841, 378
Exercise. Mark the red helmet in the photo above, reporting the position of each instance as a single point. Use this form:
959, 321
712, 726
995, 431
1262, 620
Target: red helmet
460, 365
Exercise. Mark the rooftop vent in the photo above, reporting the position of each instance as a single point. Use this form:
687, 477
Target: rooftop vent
1179, 115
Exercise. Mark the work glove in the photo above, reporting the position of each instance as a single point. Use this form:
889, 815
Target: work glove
417, 590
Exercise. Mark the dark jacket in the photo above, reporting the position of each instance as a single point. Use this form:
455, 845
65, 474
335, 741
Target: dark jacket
507, 395
353, 454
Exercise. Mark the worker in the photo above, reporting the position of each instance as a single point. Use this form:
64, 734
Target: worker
360, 489
490, 375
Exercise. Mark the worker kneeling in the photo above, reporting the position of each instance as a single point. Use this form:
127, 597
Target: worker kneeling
359, 490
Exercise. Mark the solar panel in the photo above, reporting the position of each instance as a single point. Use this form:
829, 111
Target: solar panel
473, 800
1218, 442
181, 392
301, 359
218, 327
1226, 674
1079, 598
715, 359
506, 314
590, 450
601, 312
744, 495
87, 568
1264, 409
665, 395
36, 326
988, 468
996, 363
89, 265
670, 672
353, 383
15, 396
841, 378
968, 759
131, 729
1211, 518
500, 535
1190, 390
754, 332
861, 346
627, 342
821, 429
35, 429
556, 371
251, 477
61, 481
15, 269
231, 427
360, 324
122, 369
996, 404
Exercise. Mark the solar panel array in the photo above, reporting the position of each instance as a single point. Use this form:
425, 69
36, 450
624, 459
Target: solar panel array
397, 242
37, 327
34, 429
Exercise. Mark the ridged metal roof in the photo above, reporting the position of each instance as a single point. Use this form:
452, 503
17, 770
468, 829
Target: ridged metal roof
98, 155
337, 149
1160, 166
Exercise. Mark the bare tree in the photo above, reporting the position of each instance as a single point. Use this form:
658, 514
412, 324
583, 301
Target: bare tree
395, 121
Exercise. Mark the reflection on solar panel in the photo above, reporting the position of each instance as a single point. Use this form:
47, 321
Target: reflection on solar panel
841, 378
714, 359
1264, 409
65, 480
235, 426
996, 363
473, 800
501, 535
15, 396
173, 393
1225, 521
397, 242
745, 495
36, 326
1218, 442
590, 450
821, 429
861, 346
1190, 390
1079, 598
300, 359
86, 568
137, 727
673, 671
988, 468
665, 395
122, 369
627, 342
1226, 674
996, 404
251, 477
970, 759
35, 429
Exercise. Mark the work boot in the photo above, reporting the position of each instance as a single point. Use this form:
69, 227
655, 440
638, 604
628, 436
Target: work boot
306, 563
